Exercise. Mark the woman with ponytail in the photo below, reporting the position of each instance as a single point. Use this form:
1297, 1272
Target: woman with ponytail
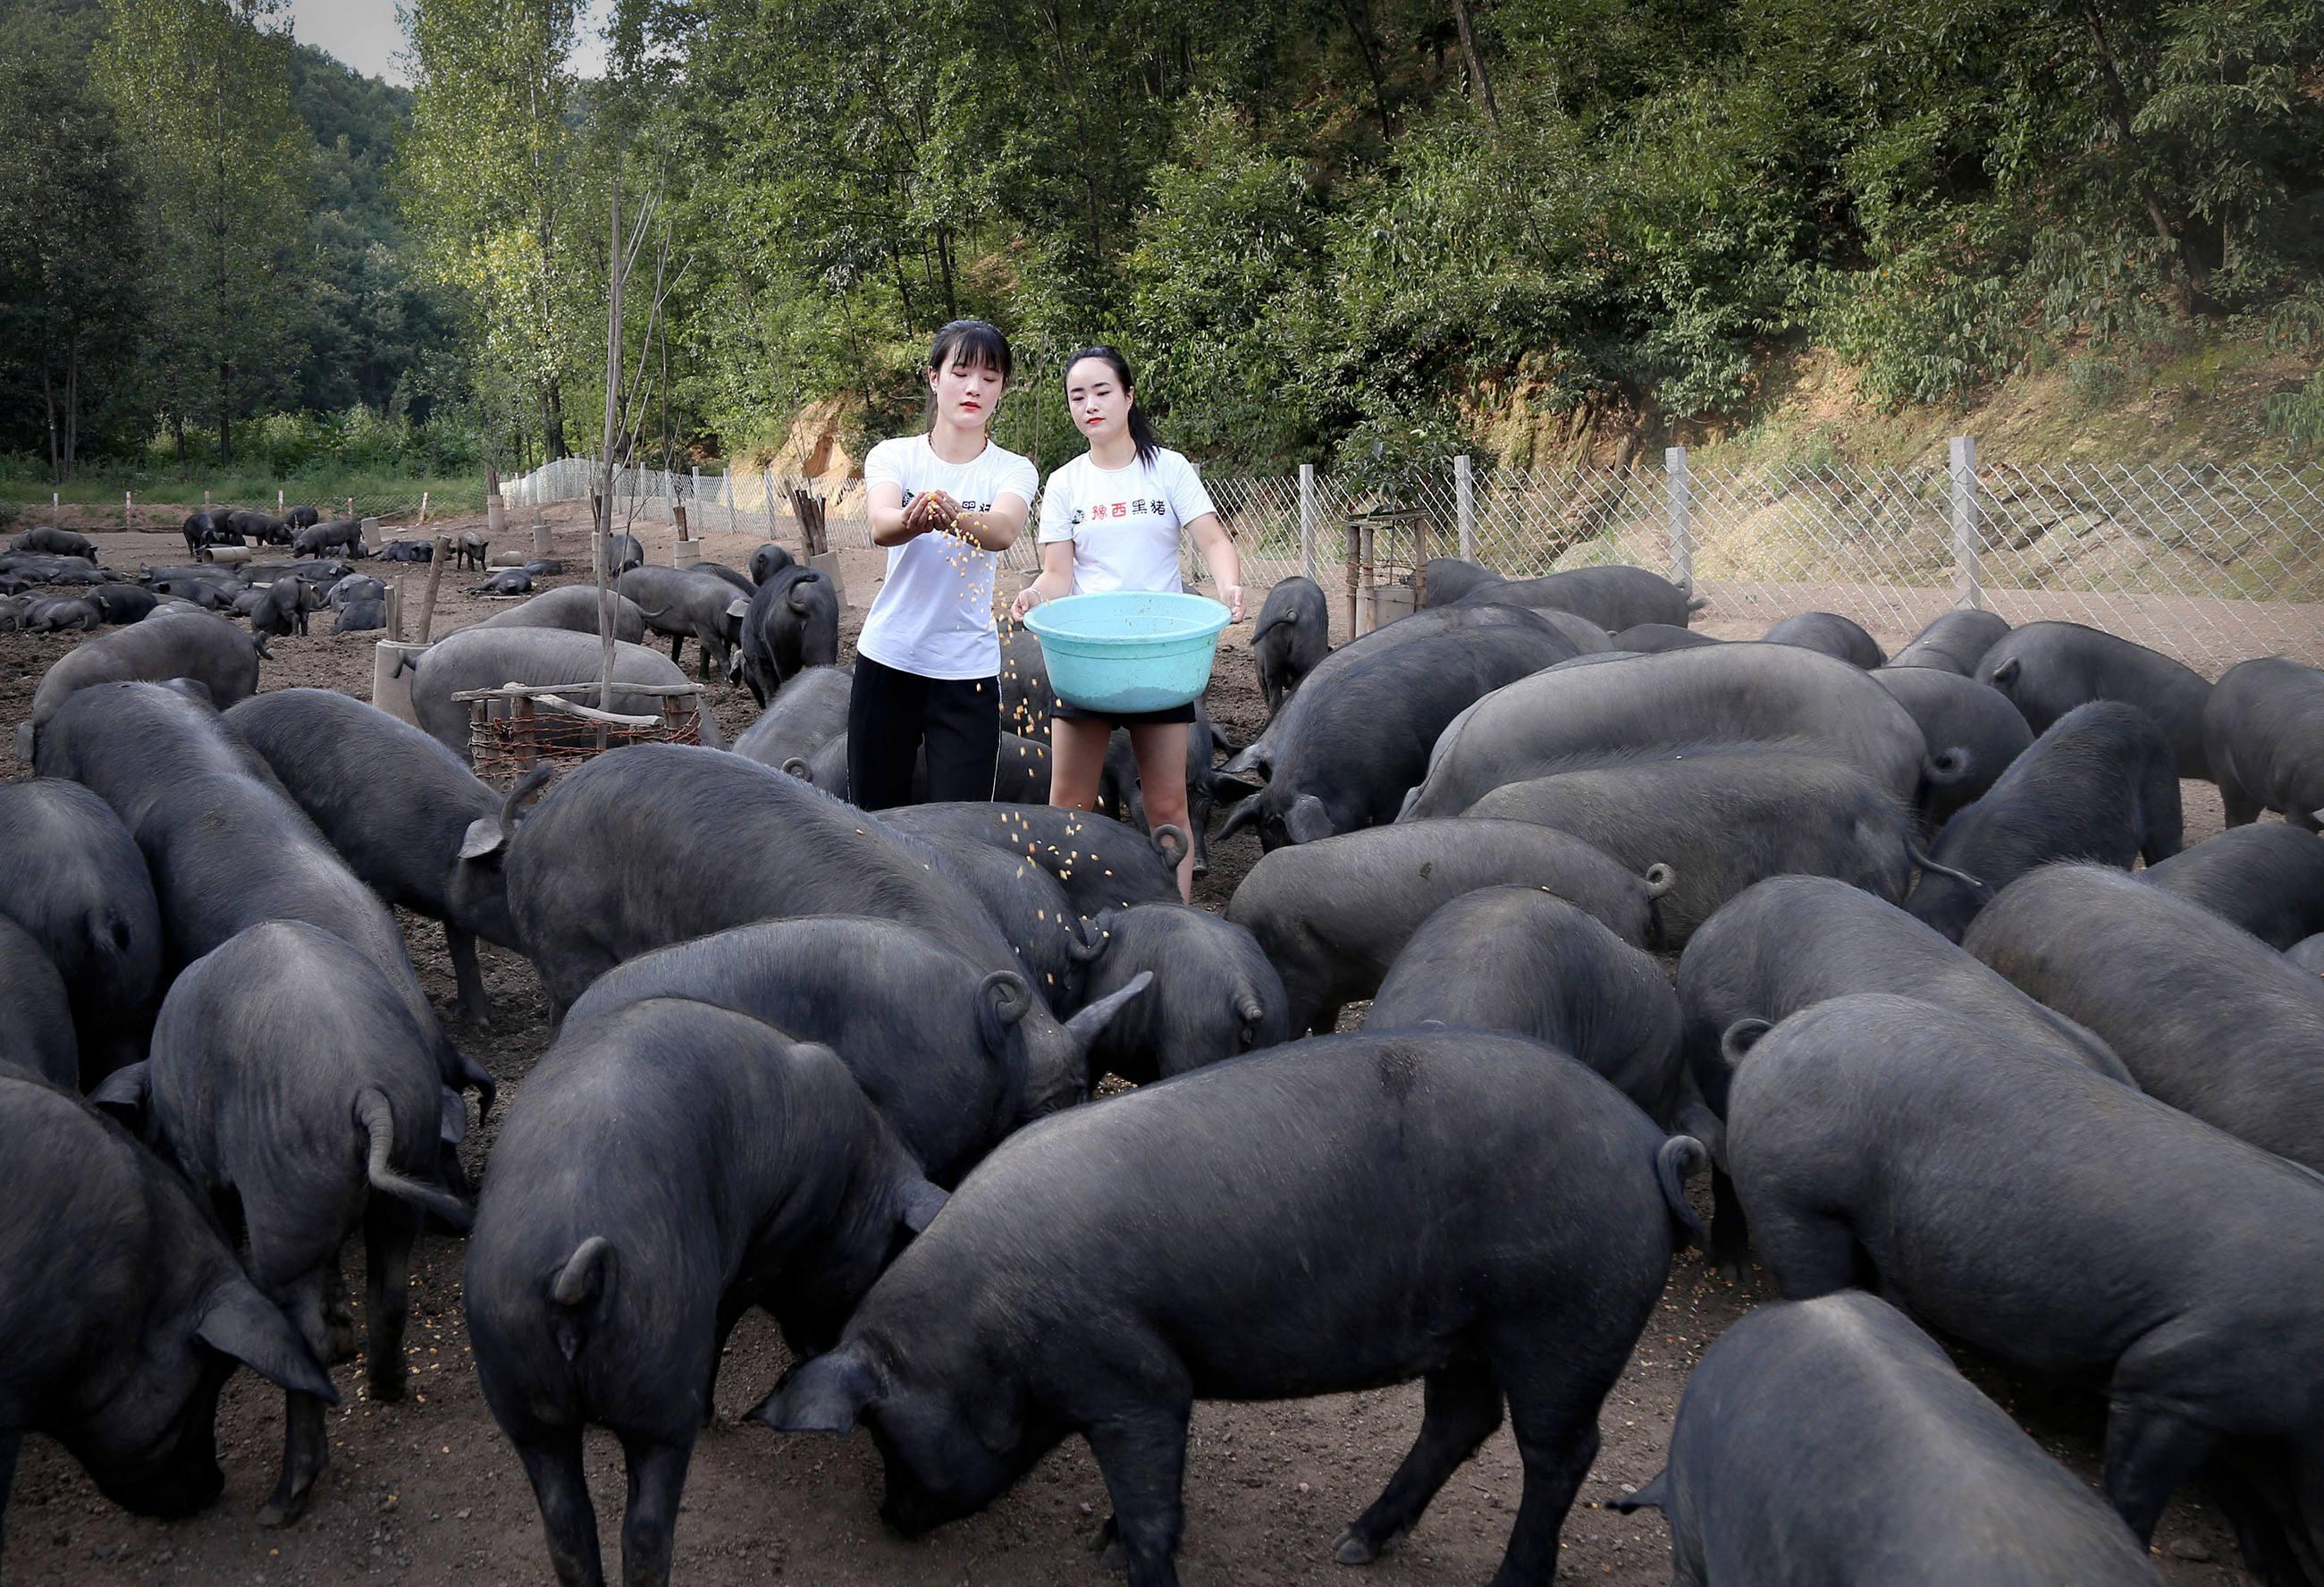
1112, 520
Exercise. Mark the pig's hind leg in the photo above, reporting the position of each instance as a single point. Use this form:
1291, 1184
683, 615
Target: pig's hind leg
305, 1451
650, 1524
391, 1228
551, 1457
1462, 1405
1556, 1421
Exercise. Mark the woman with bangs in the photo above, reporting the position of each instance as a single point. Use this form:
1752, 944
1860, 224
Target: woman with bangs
1113, 519
928, 663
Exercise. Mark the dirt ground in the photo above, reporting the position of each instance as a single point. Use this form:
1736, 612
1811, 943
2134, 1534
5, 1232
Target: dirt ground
427, 1492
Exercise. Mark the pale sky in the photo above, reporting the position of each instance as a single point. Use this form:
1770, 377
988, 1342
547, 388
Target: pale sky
364, 34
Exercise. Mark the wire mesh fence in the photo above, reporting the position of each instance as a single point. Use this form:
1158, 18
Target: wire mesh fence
727, 502
2208, 563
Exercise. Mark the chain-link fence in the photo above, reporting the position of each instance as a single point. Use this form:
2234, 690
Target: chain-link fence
2211, 564
727, 502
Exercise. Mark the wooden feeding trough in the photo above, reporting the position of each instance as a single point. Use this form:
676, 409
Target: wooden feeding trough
515, 727
1373, 555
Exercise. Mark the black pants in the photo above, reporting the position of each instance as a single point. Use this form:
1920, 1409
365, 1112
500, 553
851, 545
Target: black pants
892, 716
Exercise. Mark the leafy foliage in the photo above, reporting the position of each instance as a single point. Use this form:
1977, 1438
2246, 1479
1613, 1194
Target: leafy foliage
1299, 218
201, 89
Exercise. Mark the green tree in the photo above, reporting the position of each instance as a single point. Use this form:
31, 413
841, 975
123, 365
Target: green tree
491, 177
368, 321
201, 88
70, 256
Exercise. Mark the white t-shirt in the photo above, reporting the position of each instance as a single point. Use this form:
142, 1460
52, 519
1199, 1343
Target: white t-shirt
934, 614
1124, 522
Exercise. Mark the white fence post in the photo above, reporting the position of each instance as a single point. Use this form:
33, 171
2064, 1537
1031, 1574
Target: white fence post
1307, 518
732, 526
1464, 506
1682, 529
1966, 588
693, 507
767, 483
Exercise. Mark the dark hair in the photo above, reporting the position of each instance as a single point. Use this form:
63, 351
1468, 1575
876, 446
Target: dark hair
1142, 429
969, 341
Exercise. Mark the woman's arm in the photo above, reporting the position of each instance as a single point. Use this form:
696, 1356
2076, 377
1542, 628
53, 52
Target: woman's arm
995, 530
1056, 579
893, 522
1220, 556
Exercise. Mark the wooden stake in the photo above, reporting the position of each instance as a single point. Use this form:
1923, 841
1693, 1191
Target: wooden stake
605, 517
423, 507
435, 578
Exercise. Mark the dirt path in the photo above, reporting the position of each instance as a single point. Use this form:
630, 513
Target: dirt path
427, 1492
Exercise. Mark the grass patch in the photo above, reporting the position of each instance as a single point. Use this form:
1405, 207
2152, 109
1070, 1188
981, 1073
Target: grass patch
380, 493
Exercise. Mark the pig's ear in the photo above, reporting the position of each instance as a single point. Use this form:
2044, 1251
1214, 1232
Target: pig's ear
1228, 790
1257, 758
738, 607
239, 1322
1307, 821
122, 1096
485, 834
922, 1203
451, 1118
824, 1395
2006, 674
1086, 1027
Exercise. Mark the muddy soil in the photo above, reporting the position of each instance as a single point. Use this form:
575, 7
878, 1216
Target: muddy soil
427, 1492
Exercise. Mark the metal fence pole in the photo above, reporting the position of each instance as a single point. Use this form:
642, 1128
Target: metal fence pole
732, 527
1307, 518
1966, 588
767, 483
1464, 506
1682, 529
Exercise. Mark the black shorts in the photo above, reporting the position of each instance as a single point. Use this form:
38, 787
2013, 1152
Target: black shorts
895, 718
1072, 712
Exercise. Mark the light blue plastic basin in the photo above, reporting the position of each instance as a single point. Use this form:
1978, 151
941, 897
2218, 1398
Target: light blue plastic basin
1129, 651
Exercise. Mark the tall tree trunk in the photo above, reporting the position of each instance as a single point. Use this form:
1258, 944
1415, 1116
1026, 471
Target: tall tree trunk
904, 291
1358, 15
552, 422
56, 442
73, 403
2172, 234
662, 332
1479, 83
943, 264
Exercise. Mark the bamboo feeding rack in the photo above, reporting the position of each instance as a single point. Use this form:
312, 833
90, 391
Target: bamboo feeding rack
542, 722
